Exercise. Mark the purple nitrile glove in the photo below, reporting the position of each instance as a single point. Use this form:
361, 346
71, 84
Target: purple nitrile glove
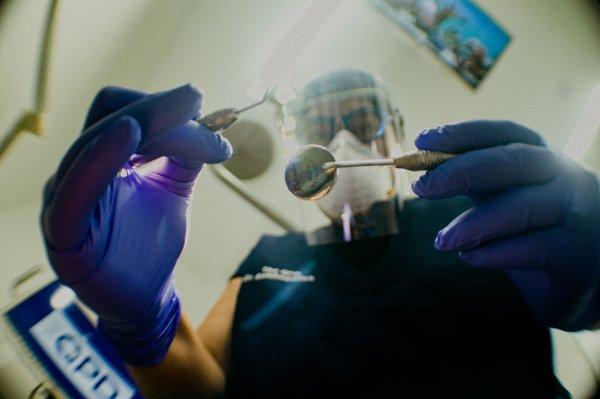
114, 215
536, 214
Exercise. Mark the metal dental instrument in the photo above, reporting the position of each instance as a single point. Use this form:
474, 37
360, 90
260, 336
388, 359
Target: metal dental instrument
416, 160
310, 174
223, 118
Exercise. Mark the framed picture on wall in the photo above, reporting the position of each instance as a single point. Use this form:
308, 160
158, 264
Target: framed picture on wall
462, 35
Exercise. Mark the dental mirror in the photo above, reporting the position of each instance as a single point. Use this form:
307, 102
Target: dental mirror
305, 176
310, 173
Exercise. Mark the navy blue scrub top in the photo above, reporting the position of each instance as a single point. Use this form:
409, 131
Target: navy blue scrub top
383, 317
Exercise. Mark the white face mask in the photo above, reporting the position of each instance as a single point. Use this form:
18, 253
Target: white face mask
356, 189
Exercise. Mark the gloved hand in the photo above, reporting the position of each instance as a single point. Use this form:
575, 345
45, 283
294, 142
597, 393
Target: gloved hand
535, 213
114, 215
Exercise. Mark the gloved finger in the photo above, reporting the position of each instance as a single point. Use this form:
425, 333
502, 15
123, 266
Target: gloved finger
172, 174
48, 191
66, 220
190, 142
560, 251
108, 100
474, 135
531, 250
187, 148
156, 114
480, 171
514, 212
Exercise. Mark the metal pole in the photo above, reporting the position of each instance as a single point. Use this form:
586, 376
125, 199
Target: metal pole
43, 72
32, 121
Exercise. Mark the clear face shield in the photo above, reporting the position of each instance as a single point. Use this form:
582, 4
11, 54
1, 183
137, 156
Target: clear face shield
353, 124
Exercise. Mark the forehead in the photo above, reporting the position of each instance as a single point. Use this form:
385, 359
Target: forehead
337, 105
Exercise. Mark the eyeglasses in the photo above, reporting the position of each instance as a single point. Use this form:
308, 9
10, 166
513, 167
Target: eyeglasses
366, 123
